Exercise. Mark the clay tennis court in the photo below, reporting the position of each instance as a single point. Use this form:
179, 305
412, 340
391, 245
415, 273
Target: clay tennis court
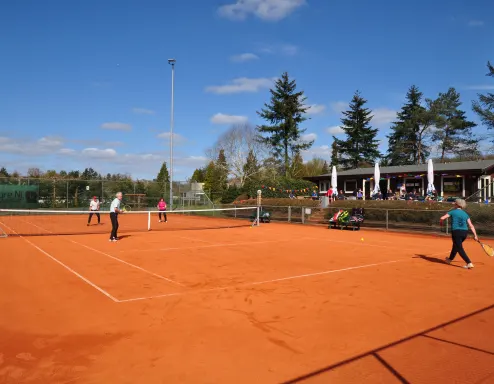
211, 300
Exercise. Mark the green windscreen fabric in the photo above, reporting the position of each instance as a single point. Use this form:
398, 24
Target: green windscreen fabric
18, 196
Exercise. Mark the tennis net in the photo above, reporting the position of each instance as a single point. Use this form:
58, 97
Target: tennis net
18, 222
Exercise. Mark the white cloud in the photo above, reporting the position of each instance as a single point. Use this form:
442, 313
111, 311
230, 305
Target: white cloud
269, 10
116, 126
221, 118
335, 130
339, 106
99, 153
177, 138
67, 151
242, 84
244, 57
323, 151
309, 137
27, 147
143, 111
383, 116
485, 87
315, 109
289, 50
475, 23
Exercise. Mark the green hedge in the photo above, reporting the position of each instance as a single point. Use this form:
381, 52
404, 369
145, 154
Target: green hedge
281, 187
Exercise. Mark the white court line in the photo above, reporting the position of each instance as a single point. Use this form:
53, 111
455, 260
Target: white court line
113, 257
65, 266
259, 282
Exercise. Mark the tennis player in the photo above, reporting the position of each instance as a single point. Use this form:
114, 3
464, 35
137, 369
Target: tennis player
93, 210
162, 210
459, 231
114, 212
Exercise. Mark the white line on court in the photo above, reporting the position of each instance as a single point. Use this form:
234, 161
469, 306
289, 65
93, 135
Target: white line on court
65, 266
260, 282
113, 257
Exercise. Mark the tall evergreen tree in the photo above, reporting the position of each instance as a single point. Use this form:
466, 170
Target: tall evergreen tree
198, 175
360, 145
163, 179
484, 106
453, 134
325, 168
210, 183
221, 172
4, 172
406, 143
285, 113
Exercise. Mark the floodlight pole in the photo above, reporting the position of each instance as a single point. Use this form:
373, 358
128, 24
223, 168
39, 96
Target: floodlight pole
172, 63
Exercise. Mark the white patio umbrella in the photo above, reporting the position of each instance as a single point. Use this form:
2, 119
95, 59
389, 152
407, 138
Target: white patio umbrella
377, 177
334, 184
430, 177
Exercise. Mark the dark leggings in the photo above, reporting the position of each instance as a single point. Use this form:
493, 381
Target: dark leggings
114, 225
164, 215
91, 216
458, 239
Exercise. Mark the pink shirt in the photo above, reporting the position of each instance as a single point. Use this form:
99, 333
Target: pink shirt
161, 205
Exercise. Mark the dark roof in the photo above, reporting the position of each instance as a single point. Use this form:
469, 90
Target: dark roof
481, 165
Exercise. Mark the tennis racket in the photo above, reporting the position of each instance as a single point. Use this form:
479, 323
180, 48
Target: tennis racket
487, 249
126, 208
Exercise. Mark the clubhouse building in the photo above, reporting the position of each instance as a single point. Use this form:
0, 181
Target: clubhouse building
455, 179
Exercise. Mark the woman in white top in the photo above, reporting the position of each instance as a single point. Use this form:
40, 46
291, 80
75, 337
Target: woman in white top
93, 210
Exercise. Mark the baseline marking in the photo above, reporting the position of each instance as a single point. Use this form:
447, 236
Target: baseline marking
259, 282
113, 257
87, 281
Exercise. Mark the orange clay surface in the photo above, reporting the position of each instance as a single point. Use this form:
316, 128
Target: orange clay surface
276, 304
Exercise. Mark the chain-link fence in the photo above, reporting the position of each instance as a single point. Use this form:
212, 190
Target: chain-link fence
54, 193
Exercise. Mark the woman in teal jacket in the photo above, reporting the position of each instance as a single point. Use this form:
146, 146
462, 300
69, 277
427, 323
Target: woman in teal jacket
459, 231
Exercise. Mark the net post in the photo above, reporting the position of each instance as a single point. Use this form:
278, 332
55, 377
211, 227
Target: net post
149, 220
387, 219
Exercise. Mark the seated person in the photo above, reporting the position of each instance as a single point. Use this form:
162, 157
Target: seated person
341, 195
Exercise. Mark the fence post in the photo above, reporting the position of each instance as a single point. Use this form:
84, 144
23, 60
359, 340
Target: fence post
447, 225
303, 215
235, 211
289, 213
67, 194
387, 218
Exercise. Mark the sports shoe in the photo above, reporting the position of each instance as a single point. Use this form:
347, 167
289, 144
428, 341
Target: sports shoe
468, 266
447, 260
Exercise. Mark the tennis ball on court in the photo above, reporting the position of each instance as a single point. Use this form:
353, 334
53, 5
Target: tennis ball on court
362, 239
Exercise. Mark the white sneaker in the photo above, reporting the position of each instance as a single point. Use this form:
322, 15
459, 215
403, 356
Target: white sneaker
159, 221
468, 266
447, 260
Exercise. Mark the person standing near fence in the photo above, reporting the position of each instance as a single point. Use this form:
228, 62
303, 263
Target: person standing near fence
93, 210
114, 212
459, 231
162, 210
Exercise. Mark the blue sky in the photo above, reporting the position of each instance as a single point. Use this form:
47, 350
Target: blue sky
87, 83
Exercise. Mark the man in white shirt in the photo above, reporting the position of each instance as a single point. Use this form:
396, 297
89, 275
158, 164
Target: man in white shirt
93, 210
114, 211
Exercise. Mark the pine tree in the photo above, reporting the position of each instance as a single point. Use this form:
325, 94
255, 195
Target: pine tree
163, 179
210, 178
406, 142
251, 167
453, 134
4, 172
325, 168
484, 107
360, 145
221, 172
285, 113
198, 175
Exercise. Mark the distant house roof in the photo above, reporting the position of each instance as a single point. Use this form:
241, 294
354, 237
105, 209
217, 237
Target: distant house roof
481, 165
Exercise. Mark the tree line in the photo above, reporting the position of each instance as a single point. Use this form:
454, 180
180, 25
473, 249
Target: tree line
246, 155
